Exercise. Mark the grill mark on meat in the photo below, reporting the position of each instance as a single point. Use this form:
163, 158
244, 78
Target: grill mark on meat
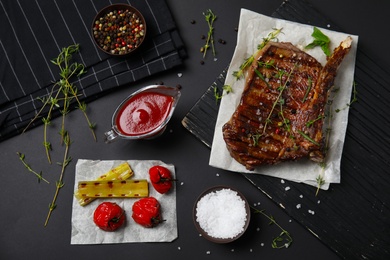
281, 73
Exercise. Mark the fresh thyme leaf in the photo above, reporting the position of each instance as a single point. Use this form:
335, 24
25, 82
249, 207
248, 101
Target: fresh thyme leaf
320, 39
217, 95
248, 61
258, 73
38, 175
60, 183
210, 17
307, 90
354, 99
320, 181
311, 122
255, 139
307, 137
227, 88
284, 239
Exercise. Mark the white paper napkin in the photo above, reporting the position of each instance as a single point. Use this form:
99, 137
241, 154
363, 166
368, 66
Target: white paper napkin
253, 27
84, 230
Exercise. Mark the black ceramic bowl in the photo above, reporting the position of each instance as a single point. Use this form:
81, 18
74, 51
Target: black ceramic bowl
119, 29
215, 239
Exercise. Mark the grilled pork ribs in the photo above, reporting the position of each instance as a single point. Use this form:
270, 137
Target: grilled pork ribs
281, 113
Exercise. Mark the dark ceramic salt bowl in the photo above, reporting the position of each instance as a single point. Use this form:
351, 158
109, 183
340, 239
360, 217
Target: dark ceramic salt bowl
118, 34
215, 239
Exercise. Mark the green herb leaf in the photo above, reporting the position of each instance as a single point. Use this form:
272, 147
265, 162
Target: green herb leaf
284, 239
320, 39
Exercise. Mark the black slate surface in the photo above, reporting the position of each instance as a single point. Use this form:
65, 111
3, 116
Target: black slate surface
352, 218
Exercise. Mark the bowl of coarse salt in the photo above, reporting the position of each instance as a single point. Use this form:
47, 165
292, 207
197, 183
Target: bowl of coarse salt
221, 214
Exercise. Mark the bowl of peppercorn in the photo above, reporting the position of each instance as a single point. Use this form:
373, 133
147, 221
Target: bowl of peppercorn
119, 29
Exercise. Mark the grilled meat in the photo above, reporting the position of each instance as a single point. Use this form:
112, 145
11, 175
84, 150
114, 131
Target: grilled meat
281, 113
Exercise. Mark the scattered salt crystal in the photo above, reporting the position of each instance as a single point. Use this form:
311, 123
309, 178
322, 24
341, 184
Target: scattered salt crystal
208, 252
328, 25
250, 250
221, 213
217, 174
215, 59
179, 248
290, 220
298, 206
301, 196
181, 183
232, 250
257, 229
287, 188
282, 181
258, 203
311, 211
318, 202
262, 244
179, 75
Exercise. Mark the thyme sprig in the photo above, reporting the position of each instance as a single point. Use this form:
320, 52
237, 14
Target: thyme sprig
38, 175
67, 71
308, 89
62, 95
218, 95
238, 74
308, 137
284, 239
210, 17
60, 183
354, 99
279, 100
272, 36
320, 181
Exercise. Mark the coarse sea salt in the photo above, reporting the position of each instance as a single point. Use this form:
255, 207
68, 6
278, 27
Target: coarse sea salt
221, 213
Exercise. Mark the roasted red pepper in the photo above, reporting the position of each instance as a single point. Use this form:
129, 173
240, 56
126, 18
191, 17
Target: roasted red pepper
109, 216
146, 212
161, 179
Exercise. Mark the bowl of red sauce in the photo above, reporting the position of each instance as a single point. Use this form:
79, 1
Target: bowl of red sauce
144, 114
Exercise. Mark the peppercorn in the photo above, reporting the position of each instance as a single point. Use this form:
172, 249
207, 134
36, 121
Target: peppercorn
221, 41
124, 27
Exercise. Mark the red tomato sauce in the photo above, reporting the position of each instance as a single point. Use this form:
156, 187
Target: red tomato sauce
143, 113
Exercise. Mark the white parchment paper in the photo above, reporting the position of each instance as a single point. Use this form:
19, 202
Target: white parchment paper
253, 27
84, 230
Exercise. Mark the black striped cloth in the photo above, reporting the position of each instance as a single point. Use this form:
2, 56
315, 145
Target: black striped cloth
33, 32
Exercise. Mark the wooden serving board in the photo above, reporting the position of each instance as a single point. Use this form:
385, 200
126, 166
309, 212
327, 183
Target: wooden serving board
352, 218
